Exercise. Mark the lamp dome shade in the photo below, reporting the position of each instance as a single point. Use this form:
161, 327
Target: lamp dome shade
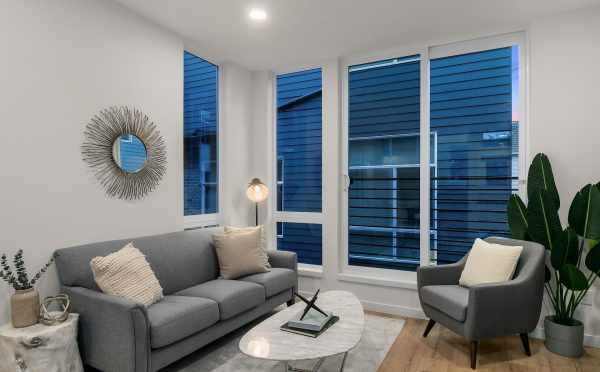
257, 191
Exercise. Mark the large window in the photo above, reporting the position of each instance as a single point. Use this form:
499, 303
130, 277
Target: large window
474, 101
200, 134
299, 164
472, 124
299, 115
384, 165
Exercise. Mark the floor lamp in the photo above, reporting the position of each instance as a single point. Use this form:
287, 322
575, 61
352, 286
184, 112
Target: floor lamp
257, 192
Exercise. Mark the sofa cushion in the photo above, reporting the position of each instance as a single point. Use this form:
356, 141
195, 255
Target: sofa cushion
275, 281
232, 296
452, 300
176, 317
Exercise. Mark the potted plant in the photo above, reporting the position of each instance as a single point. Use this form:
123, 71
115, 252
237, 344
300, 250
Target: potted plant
25, 303
574, 253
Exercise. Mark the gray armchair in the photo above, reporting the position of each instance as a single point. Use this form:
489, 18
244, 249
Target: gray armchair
487, 310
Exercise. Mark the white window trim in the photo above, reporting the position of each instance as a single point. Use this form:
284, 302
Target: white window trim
400, 278
297, 217
210, 219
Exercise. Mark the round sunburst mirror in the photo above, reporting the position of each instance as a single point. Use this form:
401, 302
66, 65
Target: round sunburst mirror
125, 151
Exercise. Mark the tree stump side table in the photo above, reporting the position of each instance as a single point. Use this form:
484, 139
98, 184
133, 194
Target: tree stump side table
40, 348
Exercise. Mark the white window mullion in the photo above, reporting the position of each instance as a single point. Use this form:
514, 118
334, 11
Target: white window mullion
424, 214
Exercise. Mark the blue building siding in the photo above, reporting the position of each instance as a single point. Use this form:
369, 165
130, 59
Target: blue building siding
384, 126
474, 153
477, 148
299, 158
299, 116
200, 80
303, 238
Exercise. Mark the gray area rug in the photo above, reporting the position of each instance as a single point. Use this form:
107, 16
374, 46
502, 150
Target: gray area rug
224, 356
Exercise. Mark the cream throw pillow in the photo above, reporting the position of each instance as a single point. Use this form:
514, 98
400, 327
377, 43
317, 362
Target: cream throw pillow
126, 273
239, 254
490, 263
263, 239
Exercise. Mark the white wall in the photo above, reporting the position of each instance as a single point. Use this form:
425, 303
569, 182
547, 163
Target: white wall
236, 144
564, 80
564, 121
62, 61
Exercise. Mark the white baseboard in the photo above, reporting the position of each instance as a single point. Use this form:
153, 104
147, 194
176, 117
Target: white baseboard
397, 310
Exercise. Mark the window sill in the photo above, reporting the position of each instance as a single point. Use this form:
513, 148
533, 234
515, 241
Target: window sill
201, 220
310, 271
378, 281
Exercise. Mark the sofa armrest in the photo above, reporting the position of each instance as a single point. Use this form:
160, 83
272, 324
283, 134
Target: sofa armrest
113, 331
283, 259
440, 275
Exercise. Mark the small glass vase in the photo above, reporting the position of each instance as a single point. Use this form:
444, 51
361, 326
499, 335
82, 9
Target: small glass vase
25, 307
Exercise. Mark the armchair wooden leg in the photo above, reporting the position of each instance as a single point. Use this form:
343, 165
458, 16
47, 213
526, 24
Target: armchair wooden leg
473, 354
291, 302
525, 341
428, 328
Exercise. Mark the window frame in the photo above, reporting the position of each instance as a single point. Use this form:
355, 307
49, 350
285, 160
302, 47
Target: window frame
208, 219
290, 216
426, 53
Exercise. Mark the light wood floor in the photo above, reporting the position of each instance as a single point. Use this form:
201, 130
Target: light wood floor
444, 351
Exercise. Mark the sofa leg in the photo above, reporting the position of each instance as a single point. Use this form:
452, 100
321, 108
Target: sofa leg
473, 354
291, 302
525, 341
428, 327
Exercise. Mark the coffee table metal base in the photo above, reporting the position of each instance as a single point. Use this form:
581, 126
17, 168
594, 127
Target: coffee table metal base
289, 368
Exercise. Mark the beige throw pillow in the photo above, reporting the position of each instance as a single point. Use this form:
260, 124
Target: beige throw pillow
239, 254
490, 263
126, 273
263, 239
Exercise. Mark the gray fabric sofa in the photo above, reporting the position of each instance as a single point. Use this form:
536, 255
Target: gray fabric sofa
486, 310
118, 335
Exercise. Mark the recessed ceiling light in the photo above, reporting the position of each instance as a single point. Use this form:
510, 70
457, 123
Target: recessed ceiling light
257, 15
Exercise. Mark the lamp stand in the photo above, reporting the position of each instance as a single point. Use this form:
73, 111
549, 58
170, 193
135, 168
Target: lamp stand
256, 214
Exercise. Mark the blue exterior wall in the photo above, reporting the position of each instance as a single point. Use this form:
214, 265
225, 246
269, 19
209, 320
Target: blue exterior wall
477, 148
299, 116
299, 133
384, 126
200, 80
474, 152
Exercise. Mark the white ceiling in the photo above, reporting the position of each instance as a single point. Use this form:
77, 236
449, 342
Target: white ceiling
308, 31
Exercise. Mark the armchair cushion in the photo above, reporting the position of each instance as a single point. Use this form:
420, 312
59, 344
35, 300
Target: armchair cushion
452, 300
176, 317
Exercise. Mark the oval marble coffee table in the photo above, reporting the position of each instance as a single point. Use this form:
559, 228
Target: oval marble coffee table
267, 341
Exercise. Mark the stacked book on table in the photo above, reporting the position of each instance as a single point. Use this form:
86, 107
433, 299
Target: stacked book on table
312, 324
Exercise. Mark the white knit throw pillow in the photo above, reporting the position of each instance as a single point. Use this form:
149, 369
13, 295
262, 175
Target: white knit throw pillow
126, 273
